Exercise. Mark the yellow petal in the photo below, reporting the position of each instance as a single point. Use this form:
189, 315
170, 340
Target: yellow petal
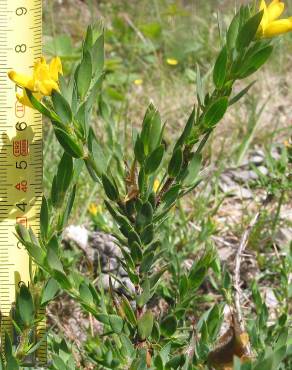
46, 87
278, 27
56, 68
21, 80
265, 18
23, 99
275, 9
41, 72
263, 5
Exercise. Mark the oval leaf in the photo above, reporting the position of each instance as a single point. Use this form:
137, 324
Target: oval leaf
145, 325
215, 112
154, 160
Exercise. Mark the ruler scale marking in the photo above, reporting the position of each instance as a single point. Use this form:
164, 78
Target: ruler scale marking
21, 155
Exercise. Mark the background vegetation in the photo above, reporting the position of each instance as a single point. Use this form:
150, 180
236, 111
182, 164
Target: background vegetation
152, 49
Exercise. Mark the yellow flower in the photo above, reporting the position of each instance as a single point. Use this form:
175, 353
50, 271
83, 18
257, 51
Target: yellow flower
156, 185
138, 81
42, 82
94, 209
270, 25
172, 61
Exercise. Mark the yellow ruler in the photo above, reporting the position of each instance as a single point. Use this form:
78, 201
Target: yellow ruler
20, 151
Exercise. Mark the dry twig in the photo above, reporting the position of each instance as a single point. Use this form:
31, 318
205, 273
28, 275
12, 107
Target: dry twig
236, 276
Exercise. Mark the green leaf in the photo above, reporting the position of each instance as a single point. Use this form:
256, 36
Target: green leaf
187, 130
145, 325
44, 218
142, 181
175, 163
97, 52
215, 112
238, 96
155, 335
62, 107
171, 195
66, 213
58, 362
87, 45
54, 244
193, 170
65, 173
136, 252
196, 278
155, 131
154, 160
232, 32
50, 291
109, 188
139, 150
25, 306
168, 325
41, 108
84, 75
82, 118
53, 261
103, 318
214, 320
147, 262
97, 153
12, 363
256, 61
8, 345
128, 346
248, 32
183, 285
151, 130
85, 294
128, 310
33, 249
176, 362
200, 87
133, 238
69, 144
23, 233
220, 69
35, 252
147, 234
154, 278
116, 323
144, 297
63, 179
122, 220
144, 216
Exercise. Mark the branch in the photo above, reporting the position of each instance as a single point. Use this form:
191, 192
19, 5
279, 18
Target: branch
236, 275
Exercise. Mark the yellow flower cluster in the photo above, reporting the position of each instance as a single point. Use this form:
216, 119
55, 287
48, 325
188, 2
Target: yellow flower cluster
43, 81
270, 25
